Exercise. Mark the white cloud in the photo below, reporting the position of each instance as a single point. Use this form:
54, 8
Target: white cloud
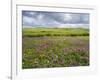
86, 18
32, 13
67, 17
40, 17
73, 26
29, 21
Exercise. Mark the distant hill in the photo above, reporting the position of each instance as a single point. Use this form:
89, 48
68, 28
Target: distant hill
61, 26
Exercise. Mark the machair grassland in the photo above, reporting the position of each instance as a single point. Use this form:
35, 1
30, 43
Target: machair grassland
54, 47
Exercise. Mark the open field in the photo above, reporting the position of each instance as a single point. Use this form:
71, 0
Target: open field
46, 48
40, 32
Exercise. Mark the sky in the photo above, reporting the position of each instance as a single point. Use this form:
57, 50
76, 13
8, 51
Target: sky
54, 19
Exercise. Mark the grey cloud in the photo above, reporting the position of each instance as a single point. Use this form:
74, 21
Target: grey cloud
41, 18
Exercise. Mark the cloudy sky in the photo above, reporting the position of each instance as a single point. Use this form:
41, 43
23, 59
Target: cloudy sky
54, 19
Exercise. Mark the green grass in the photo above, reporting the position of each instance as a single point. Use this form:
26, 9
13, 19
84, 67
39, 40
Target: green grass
40, 50
40, 32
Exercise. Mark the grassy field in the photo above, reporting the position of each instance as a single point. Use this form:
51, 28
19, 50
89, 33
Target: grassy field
40, 32
46, 48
